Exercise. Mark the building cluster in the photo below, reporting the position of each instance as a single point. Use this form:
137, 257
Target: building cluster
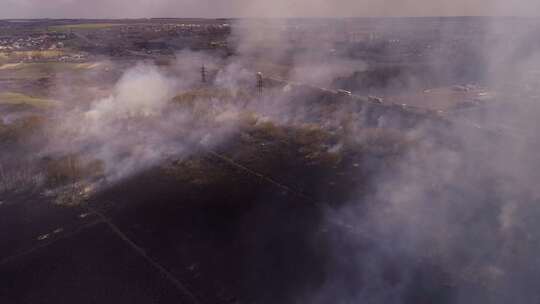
33, 42
177, 29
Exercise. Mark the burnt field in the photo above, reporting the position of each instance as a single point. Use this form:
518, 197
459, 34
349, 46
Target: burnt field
268, 161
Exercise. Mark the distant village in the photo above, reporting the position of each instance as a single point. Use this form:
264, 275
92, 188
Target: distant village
75, 43
145, 38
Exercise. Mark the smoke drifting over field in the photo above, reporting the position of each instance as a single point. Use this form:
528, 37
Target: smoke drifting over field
109, 128
452, 222
463, 215
137, 127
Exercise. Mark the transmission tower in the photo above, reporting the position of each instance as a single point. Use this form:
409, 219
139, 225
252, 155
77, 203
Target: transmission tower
203, 74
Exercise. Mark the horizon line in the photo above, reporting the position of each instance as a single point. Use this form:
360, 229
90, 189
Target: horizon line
299, 17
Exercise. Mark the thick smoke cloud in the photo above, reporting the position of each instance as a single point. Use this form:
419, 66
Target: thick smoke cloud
454, 223
138, 125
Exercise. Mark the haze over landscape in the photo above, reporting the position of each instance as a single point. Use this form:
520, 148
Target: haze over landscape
267, 152
258, 8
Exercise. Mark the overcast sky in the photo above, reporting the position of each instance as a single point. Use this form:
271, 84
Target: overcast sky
260, 8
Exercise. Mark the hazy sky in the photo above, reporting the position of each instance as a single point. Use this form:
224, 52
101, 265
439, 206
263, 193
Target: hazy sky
260, 8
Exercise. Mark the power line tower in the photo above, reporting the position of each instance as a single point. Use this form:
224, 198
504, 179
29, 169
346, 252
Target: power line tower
260, 83
203, 74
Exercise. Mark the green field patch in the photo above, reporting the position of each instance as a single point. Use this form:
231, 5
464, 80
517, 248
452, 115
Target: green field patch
3, 57
31, 55
83, 26
19, 99
48, 66
88, 65
207, 94
32, 71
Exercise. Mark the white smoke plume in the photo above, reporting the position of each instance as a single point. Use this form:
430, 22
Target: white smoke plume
138, 125
454, 223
